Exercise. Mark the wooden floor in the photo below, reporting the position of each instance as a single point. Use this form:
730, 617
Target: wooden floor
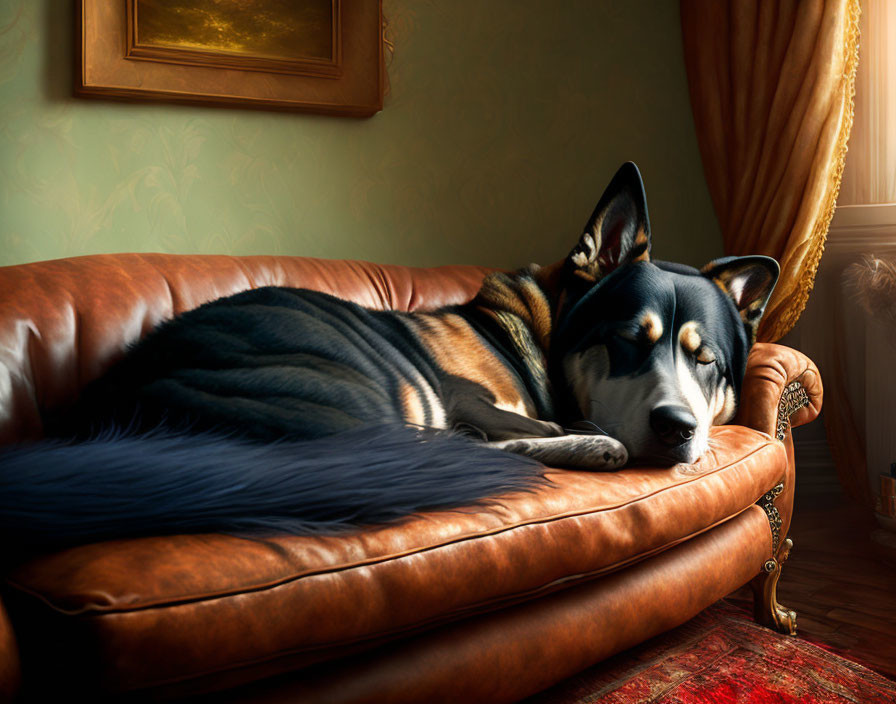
843, 591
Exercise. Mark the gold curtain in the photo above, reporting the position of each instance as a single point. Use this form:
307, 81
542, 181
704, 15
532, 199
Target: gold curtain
772, 86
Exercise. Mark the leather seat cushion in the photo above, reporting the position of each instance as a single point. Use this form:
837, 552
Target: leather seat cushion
165, 609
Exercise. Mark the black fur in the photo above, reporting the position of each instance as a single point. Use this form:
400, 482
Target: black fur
678, 293
268, 363
54, 494
273, 409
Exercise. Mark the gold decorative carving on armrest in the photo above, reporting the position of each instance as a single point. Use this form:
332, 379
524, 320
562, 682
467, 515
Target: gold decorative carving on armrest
793, 398
767, 502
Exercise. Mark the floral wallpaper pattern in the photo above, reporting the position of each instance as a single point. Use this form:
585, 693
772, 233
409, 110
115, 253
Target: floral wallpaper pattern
503, 122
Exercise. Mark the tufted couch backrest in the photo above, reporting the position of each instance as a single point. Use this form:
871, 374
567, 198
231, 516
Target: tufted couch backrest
63, 322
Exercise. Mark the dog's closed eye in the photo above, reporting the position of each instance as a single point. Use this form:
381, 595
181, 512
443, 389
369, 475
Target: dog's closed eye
691, 341
627, 334
705, 355
648, 329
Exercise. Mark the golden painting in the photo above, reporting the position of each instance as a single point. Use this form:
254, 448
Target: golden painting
276, 35
281, 29
318, 55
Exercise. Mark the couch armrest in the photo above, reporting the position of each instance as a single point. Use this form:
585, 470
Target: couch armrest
782, 387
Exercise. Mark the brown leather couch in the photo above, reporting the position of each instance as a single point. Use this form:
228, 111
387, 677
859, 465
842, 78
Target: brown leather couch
490, 605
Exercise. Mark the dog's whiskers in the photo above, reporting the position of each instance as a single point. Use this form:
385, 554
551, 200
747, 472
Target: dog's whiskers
588, 425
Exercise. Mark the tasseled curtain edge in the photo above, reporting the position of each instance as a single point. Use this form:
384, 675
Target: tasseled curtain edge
781, 324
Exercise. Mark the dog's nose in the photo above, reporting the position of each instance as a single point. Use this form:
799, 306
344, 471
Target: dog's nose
674, 424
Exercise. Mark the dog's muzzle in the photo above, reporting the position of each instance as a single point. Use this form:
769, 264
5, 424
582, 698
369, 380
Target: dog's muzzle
673, 425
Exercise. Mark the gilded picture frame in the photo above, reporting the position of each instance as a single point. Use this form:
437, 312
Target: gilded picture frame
321, 56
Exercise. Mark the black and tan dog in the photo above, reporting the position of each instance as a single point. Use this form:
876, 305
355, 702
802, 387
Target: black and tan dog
602, 357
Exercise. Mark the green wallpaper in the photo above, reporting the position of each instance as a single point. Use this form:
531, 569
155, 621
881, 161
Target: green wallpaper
505, 120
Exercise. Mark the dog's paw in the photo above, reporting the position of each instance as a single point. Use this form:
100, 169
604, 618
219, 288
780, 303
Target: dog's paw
594, 452
600, 452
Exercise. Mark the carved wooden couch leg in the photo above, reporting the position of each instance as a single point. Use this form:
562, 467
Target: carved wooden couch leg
766, 608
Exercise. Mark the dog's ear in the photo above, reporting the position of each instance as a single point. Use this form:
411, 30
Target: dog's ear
749, 282
618, 231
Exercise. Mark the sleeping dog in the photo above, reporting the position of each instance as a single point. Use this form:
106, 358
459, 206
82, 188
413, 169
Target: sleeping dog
293, 410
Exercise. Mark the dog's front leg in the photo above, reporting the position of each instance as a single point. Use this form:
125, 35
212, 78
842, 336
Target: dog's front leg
571, 451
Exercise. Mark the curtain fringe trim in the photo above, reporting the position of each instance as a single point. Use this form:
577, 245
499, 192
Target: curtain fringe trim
781, 325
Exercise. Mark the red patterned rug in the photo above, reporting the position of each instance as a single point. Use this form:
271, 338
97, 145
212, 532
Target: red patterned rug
722, 656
